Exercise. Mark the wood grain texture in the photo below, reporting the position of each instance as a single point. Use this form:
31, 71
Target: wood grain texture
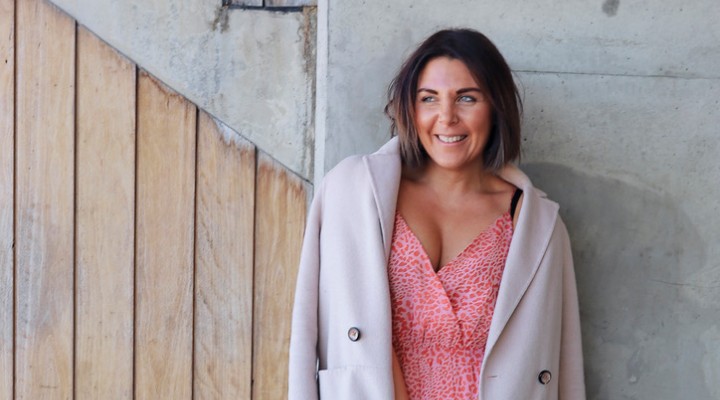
104, 221
224, 263
164, 242
44, 202
7, 161
281, 205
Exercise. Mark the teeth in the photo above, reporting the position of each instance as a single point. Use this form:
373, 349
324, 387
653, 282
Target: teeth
451, 139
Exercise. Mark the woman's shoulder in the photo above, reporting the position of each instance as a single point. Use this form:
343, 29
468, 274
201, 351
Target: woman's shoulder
357, 165
515, 176
344, 170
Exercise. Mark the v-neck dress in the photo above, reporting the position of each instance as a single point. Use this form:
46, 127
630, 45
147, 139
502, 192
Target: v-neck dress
441, 319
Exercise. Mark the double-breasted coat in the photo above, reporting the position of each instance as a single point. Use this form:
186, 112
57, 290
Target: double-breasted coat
341, 338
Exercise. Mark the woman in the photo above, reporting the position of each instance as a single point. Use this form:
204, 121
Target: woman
433, 269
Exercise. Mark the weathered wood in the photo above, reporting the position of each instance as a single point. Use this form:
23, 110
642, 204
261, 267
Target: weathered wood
104, 221
224, 263
164, 244
7, 148
280, 219
44, 202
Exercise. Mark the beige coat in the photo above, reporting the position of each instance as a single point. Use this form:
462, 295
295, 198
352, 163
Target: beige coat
342, 289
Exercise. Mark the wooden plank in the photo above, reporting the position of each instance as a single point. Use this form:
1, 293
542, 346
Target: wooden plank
104, 221
281, 203
224, 263
44, 202
164, 244
7, 148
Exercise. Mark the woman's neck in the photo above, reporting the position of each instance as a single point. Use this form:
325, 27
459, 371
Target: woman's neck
451, 182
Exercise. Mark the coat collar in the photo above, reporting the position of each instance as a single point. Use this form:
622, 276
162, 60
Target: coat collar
384, 168
533, 230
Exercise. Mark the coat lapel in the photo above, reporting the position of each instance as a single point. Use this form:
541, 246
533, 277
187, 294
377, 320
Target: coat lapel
384, 169
533, 230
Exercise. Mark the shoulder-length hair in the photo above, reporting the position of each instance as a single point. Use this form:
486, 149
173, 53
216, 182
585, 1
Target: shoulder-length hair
490, 71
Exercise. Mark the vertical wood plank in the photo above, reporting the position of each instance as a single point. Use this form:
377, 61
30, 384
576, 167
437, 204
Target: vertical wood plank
7, 157
224, 263
164, 244
44, 230
104, 221
280, 219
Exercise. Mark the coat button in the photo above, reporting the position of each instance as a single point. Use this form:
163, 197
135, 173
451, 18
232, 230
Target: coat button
545, 377
354, 334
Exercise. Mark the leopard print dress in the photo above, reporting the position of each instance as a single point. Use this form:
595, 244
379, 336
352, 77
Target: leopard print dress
441, 319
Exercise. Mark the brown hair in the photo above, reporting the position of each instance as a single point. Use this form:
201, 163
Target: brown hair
490, 71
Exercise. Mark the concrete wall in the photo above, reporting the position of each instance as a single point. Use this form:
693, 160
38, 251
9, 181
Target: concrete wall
622, 122
252, 69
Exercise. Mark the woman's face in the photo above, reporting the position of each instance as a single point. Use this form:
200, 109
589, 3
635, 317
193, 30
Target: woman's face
453, 118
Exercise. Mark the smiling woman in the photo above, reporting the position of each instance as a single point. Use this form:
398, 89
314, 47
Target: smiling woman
452, 117
467, 290
488, 72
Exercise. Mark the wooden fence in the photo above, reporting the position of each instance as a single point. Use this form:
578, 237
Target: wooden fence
146, 251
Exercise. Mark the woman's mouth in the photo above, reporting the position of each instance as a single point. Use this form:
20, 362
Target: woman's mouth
450, 139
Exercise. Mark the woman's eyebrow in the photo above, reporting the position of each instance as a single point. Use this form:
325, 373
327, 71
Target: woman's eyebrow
469, 89
459, 91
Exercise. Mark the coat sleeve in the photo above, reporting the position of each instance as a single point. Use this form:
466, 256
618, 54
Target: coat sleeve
572, 379
302, 381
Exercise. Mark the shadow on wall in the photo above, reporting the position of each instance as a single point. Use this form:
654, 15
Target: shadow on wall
647, 333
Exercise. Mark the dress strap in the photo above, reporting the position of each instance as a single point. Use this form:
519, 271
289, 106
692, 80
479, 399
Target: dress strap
514, 202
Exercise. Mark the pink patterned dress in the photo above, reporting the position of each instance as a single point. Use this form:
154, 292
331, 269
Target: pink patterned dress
441, 319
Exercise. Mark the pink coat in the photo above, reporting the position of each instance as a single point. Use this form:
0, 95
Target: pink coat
341, 340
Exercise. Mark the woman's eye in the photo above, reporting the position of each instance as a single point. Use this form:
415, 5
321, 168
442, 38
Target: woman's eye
427, 99
466, 99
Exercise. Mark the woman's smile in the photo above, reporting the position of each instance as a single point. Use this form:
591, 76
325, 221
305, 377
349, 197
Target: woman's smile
451, 139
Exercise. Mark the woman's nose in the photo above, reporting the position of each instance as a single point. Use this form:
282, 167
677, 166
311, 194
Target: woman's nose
447, 114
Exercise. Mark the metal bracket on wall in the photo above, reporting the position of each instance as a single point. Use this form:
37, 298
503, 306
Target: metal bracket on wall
270, 5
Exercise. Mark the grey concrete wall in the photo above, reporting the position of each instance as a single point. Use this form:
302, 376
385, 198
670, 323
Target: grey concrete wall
252, 69
622, 123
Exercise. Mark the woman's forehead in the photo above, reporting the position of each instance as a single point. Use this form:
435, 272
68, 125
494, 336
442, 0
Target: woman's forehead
445, 73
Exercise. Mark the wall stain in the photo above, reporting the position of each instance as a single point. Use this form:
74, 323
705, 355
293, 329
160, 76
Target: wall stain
308, 36
610, 7
635, 366
221, 19
643, 302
